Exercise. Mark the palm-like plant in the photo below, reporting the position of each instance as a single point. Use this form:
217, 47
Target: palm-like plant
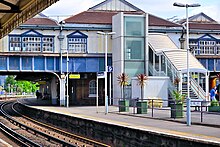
178, 96
122, 81
176, 82
142, 78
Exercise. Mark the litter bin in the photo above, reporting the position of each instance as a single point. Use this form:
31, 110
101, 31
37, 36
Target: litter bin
123, 105
176, 109
142, 107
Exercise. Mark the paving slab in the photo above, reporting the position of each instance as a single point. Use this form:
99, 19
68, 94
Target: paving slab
198, 131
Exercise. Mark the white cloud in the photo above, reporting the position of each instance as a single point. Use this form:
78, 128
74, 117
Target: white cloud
160, 8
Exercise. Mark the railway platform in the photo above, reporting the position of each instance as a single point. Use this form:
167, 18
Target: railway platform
203, 132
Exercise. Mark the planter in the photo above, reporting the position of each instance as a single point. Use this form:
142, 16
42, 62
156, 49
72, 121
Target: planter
123, 105
214, 108
176, 110
142, 107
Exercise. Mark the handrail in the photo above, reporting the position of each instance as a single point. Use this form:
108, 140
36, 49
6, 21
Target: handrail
197, 89
152, 69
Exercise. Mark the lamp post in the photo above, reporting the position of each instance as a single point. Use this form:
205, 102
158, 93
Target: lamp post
106, 66
67, 78
188, 113
61, 37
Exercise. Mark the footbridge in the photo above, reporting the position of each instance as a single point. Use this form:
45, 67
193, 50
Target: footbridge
168, 60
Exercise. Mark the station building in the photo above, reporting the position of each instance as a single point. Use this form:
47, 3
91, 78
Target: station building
44, 50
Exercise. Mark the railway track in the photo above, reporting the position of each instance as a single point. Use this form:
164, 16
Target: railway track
35, 133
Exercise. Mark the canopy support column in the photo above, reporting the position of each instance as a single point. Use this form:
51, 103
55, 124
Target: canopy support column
207, 86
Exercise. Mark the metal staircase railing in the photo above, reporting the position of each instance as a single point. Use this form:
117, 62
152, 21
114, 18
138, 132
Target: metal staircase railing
197, 89
154, 72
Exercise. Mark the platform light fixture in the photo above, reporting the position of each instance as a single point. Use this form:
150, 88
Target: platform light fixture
106, 65
188, 114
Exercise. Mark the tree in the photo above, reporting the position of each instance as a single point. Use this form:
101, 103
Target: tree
9, 81
20, 86
141, 81
122, 81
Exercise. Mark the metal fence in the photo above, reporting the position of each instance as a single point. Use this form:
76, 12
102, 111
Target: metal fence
160, 109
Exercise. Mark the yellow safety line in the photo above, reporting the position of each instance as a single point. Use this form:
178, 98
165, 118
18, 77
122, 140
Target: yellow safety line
152, 129
140, 127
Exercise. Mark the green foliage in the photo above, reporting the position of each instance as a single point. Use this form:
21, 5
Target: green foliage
142, 78
178, 96
20, 86
122, 81
214, 103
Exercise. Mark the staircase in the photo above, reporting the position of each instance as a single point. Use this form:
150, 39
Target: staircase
196, 97
192, 95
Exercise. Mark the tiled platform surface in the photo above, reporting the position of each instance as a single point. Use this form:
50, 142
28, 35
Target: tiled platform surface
200, 132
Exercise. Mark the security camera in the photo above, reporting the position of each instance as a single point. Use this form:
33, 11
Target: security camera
62, 22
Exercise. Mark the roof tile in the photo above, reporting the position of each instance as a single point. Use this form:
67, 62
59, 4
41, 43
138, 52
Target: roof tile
40, 21
100, 17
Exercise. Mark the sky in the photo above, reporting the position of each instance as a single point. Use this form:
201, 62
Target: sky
160, 8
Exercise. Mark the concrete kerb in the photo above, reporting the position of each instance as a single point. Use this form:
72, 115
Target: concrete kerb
170, 120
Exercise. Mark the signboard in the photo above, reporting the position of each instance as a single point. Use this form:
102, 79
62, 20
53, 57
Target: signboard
74, 76
110, 68
42, 82
195, 76
100, 75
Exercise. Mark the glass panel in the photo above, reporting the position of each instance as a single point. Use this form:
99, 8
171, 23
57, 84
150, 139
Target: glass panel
26, 63
101, 64
203, 62
47, 44
92, 87
134, 26
217, 64
211, 64
134, 48
15, 44
134, 68
77, 45
156, 63
163, 64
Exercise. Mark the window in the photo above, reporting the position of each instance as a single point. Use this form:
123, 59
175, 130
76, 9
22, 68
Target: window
77, 42
47, 44
92, 88
31, 44
31, 41
15, 43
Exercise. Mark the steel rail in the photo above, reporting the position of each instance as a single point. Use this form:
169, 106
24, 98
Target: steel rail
16, 136
64, 143
74, 136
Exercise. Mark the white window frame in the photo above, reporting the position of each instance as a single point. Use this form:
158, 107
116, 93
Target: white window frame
92, 88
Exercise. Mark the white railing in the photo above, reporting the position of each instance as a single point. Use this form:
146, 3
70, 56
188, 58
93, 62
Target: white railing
197, 89
154, 71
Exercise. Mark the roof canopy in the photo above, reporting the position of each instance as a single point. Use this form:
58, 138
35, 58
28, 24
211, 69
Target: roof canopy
15, 12
161, 43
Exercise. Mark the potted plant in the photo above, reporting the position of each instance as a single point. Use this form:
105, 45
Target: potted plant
123, 81
177, 104
214, 106
142, 105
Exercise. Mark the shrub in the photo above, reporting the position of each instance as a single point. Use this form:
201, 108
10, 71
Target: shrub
214, 103
179, 98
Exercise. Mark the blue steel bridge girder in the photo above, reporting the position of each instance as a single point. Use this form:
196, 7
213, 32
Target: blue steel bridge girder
17, 63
